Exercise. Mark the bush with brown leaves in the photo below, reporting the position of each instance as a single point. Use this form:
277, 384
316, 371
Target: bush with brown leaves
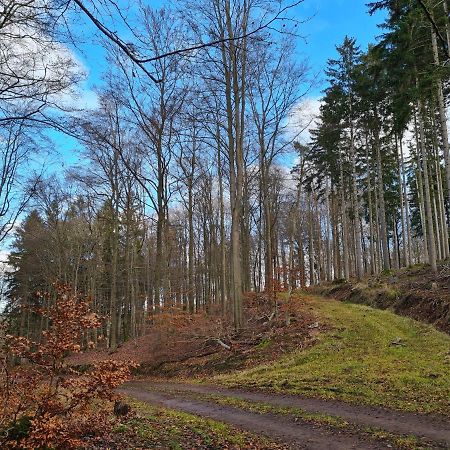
43, 402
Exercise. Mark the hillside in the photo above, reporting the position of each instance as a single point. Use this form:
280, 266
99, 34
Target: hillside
364, 356
415, 292
356, 356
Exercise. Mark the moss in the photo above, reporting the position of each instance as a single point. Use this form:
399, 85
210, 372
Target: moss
391, 293
387, 273
370, 356
19, 429
121, 428
264, 344
266, 408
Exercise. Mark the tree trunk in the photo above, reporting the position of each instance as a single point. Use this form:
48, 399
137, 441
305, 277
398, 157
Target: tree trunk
428, 205
382, 208
441, 105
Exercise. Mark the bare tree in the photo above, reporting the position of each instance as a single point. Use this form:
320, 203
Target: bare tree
16, 147
37, 77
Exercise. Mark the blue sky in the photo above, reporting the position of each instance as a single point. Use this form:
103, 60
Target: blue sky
329, 22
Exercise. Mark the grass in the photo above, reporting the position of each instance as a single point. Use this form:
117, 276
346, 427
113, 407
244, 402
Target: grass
267, 408
162, 428
370, 356
334, 422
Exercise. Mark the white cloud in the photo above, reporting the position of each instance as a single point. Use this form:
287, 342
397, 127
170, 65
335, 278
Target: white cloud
4, 254
88, 99
303, 117
81, 96
28, 54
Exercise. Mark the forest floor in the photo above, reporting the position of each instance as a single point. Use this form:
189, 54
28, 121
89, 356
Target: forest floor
321, 373
415, 292
152, 426
362, 378
182, 344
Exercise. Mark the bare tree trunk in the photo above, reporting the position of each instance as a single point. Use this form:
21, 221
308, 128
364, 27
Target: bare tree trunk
336, 243
311, 250
402, 205
419, 184
344, 228
370, 208
441, 104
223, 262
428, 205
267, 217
382, 208
406, 203
329, 249
437, 227
356, 211
191, 244
232, 54
438, 196
395, 251
245, 235
441, 203
113, 306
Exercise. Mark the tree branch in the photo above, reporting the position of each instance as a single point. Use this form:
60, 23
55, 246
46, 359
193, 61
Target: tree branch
141, 61
436, 28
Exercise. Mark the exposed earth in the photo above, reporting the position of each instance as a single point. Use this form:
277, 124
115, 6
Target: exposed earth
288, 429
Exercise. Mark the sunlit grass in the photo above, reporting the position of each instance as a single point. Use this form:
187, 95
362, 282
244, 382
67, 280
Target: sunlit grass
369, 356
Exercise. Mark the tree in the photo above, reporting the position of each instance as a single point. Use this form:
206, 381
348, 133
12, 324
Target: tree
42, 405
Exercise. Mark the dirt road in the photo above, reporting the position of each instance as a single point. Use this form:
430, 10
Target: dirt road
284, 428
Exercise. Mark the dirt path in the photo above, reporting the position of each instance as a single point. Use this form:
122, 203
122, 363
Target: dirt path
299, 434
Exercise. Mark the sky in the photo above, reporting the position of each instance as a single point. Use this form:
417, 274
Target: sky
327, 22
331, 21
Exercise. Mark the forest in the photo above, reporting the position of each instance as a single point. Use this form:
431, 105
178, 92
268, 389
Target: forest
195, 207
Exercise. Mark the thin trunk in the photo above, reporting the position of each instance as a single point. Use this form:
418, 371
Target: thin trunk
344, 228
441, 105
406, 202
382, 207
356, 211
404, 261
370, 207
428, 203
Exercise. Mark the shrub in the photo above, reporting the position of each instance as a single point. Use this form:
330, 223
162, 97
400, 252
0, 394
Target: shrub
44, 403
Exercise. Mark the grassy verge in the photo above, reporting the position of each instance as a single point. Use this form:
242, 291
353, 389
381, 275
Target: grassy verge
370, 356
328, 421
161, 428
